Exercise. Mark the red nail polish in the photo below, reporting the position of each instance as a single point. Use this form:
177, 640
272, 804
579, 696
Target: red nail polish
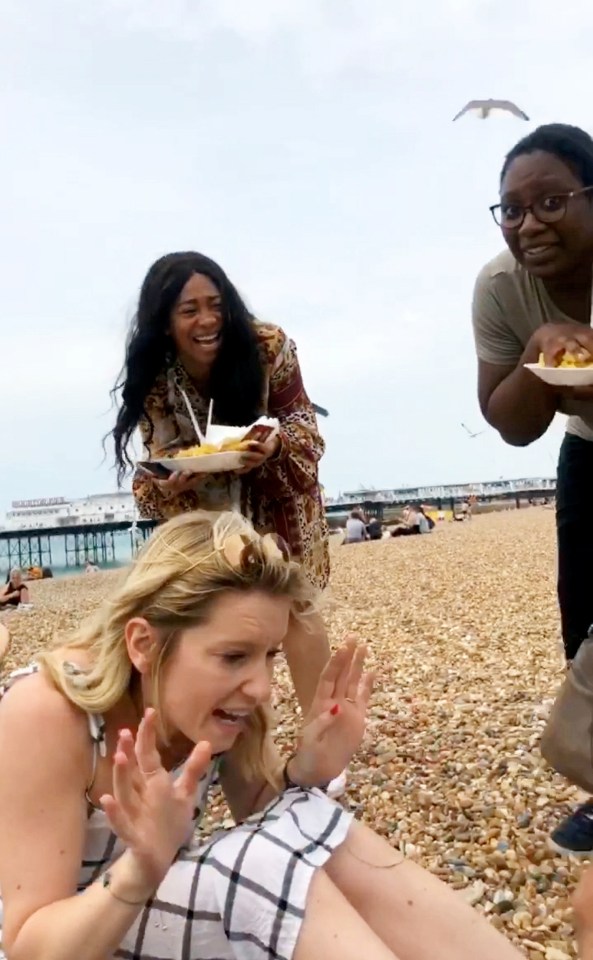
335, 710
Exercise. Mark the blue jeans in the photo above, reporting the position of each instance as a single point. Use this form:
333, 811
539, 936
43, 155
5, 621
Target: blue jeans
574, 527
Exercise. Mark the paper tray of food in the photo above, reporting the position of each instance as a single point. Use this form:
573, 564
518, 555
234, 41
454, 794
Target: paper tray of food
221, 452
569, 372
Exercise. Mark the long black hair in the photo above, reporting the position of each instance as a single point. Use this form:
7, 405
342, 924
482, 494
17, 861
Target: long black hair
237, 377
570, 144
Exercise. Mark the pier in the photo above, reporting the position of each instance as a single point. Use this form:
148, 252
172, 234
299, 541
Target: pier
95, 540
384, 503
78, 543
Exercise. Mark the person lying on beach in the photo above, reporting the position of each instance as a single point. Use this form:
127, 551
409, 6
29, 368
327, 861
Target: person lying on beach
109, 746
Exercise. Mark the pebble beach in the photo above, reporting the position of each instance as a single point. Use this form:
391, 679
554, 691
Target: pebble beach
462, 629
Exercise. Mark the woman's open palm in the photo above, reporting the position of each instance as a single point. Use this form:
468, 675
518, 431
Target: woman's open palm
150, 810
334, 727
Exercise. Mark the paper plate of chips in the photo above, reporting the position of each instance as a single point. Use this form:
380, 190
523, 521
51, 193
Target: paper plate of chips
570, 371
221, 451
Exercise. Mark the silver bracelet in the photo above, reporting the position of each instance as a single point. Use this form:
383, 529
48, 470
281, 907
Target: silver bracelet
106, 884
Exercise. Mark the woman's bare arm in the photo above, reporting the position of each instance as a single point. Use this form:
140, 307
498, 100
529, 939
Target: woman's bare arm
514, 402
45, 764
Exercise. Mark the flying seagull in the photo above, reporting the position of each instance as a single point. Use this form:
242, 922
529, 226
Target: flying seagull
470, 434
486, 108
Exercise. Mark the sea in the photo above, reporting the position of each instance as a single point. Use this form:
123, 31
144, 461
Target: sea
119, 552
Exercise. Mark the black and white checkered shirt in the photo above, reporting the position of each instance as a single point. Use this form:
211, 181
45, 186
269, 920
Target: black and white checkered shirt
241, 894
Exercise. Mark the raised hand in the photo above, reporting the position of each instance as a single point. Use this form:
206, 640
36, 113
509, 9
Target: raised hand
258, 453
555, 339
150, 810
180, 481
333, 730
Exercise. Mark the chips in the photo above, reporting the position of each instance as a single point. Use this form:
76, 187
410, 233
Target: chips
230, 444
570, 360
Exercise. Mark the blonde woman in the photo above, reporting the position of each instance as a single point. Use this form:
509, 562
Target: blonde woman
109, 746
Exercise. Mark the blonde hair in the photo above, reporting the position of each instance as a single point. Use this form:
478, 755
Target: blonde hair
184, 566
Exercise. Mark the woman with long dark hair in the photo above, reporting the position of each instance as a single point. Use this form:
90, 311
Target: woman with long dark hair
193, 333
535, 298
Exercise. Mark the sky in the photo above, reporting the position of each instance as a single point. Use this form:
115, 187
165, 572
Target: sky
308, 146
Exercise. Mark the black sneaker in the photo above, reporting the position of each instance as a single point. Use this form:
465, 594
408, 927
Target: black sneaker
575, 834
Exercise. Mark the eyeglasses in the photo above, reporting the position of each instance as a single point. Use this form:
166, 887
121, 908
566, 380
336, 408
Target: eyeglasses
550, 209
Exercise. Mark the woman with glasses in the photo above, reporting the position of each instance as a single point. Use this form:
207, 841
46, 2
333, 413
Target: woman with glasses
536, 298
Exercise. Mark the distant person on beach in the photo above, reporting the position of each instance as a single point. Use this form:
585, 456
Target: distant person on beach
90, 567
15, 591
356, 531
414, 521
111, 743
534, 299
466, 510
375, 529
426, 522
193, 332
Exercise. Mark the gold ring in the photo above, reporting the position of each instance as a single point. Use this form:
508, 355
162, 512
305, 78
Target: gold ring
349, 700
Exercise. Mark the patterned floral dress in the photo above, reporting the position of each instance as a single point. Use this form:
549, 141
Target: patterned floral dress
284, 494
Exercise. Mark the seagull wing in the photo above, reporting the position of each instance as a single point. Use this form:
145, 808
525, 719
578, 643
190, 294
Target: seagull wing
509, 107
470, 107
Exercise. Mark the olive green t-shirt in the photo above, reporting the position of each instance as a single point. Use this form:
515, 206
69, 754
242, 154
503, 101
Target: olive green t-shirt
508, 306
